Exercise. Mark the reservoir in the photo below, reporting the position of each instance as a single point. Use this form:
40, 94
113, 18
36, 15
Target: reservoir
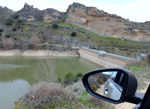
16, 74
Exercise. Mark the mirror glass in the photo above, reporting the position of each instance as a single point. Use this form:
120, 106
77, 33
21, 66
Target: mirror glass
108, 84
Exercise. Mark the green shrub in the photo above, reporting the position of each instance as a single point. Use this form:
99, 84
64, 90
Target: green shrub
0, 34
7, 36
14, 29
59, 80
15, 38
79, 75
16, 16
54, 26
19, 22
69, 78
1, 30
8, 22
73, 34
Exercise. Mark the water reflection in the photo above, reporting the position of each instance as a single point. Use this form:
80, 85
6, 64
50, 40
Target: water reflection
11, 91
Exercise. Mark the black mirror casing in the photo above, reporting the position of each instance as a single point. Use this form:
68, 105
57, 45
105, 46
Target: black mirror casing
129, 85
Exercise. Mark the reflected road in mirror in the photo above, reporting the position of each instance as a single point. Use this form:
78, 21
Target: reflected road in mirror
108, 84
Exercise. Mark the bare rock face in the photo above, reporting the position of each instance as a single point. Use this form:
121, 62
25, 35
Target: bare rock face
50, 15
107, 24
30, 13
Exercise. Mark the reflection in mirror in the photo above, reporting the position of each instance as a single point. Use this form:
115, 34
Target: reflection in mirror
108, 84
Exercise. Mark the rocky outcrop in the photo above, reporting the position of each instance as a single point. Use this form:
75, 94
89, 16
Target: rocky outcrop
98, 21
106, 24
50, 15
30, 13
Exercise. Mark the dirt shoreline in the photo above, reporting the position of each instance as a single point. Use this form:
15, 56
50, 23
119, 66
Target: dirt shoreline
17, 52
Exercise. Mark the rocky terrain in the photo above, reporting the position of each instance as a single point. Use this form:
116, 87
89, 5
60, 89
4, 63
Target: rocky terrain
106, 24
31, 28
98, 21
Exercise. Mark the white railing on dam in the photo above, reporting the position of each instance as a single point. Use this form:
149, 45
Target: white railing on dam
105, 59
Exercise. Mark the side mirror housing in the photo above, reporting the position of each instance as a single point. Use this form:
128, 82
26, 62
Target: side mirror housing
113, 85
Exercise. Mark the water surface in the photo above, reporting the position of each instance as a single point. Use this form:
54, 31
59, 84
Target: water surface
16, 74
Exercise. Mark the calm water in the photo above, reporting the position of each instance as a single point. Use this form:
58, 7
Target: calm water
16, 74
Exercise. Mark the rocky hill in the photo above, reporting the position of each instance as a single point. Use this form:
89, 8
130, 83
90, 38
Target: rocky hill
33, 14
31, 28
106, 24
98, 21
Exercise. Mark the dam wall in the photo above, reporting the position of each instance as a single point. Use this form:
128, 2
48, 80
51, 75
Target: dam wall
105, 59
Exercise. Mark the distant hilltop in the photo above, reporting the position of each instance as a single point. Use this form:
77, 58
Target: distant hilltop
98, 21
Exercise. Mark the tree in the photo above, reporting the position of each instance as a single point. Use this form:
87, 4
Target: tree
73, 34
8, 22
16, 16
34, 40
7, 43
14, 29
1, 30
19, 22
54, 26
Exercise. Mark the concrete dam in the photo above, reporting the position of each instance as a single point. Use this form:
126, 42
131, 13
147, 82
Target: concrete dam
105, 59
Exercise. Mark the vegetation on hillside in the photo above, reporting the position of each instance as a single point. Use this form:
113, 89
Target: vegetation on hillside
63, 34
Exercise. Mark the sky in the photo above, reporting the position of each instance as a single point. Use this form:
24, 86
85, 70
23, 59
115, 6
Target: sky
134, 10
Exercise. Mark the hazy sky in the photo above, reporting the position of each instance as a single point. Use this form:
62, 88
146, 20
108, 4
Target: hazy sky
134, 10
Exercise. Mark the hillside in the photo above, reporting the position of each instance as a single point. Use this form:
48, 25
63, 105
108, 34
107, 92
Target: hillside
106, 24
91, 18
31, 28
98, 21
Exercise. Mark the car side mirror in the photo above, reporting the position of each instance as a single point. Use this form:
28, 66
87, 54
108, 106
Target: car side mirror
114, 85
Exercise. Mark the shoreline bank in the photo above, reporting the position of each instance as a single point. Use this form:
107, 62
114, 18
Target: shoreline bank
17, 52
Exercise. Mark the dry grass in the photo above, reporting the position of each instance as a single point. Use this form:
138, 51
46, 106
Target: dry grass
97, 102
49, 96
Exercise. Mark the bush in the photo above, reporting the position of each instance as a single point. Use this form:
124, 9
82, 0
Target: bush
8, 22
79, 75
19, 22
59, 80
48, 96
54, 26
7, 36
14, 29
73, 34
0, 34
16, 16
8, 43
69, 78
1, 30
